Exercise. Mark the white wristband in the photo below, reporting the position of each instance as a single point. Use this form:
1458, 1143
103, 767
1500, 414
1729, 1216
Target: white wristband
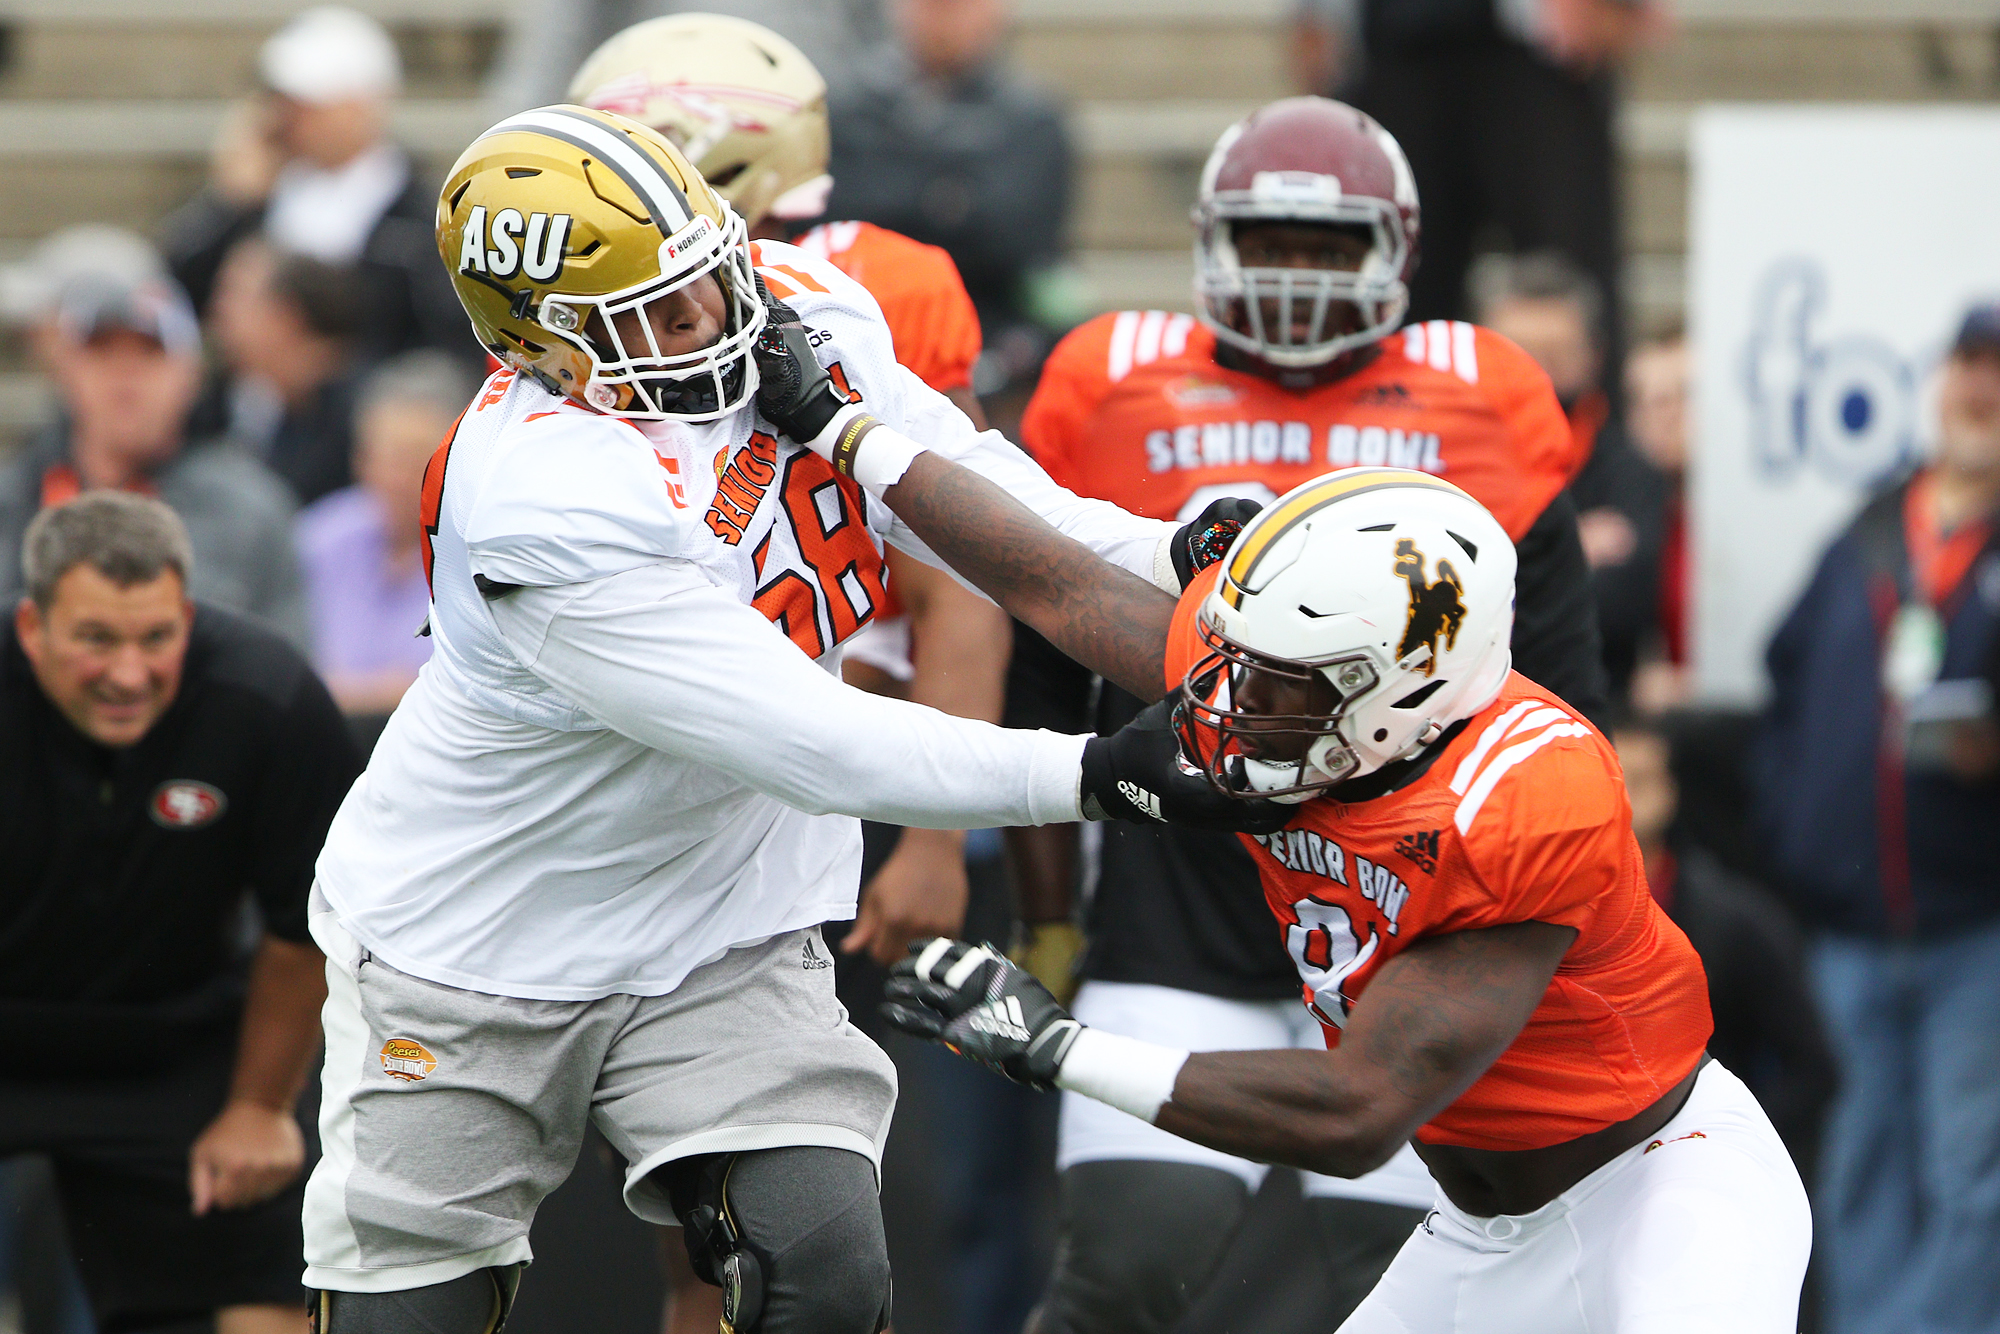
1133, 1076
1164, 575
881, 454
885, 455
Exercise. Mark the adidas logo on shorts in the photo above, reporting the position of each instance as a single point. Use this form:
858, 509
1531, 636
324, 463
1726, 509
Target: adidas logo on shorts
1000, 1018
812, 959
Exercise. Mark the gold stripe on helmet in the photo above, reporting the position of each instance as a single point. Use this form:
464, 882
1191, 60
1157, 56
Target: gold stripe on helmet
1272, 524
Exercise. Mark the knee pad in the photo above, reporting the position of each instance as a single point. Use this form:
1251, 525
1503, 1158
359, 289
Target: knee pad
475, 1303
1117, 1271
793, 1237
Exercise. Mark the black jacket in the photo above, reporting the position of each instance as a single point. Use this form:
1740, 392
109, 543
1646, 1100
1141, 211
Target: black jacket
1862, 844
126, 871
407, 298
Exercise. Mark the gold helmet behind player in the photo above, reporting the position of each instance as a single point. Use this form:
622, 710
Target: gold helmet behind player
744, 104
560, 226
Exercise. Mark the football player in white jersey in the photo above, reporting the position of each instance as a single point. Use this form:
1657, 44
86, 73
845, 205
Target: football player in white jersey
582, 875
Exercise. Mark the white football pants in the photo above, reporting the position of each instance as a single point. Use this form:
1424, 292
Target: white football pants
1701, 1229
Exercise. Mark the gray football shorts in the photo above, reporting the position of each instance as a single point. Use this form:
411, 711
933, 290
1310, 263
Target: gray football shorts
446, 1116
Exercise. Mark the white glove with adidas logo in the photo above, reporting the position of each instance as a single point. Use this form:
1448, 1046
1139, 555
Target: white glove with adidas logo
981, 1006
1137, 774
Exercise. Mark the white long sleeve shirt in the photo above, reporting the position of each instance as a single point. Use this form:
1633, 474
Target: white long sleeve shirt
643, 754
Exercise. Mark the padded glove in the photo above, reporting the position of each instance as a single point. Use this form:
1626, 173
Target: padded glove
982, 1007
794, 392
1137, 774
1206, 538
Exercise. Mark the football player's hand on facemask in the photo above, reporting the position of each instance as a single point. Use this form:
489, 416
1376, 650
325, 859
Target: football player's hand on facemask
794, 392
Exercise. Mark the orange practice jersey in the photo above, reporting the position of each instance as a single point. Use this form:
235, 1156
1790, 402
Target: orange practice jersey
1133, 408
1522, 818
930, 317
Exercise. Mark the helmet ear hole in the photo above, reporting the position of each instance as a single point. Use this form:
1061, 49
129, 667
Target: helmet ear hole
1417, 696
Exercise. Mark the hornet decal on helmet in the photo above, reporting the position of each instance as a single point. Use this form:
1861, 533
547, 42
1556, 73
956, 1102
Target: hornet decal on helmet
1436, 609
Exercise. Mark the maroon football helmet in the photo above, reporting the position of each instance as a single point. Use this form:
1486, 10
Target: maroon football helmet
1305, 160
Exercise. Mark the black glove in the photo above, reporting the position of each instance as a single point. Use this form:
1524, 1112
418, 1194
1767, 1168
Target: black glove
982, 1007
794, 392
1137, 774
1206, 538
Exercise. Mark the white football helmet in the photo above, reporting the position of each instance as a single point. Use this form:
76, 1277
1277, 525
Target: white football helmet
1395, 587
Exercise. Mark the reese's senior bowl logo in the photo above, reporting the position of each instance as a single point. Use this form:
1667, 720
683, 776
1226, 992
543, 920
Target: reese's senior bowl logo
184, 803
407, 1059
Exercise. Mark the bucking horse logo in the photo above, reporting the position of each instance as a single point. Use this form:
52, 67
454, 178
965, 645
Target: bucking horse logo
1436, 609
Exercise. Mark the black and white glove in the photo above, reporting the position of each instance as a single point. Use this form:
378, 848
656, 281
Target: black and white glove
794, 392
1137, 774
1206, 538
982, 1007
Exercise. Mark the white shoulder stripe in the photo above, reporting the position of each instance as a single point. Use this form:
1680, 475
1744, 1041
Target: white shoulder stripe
1488, 739
656, 191
1468, 809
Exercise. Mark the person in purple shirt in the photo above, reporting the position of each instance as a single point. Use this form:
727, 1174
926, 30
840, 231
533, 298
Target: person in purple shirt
365, 588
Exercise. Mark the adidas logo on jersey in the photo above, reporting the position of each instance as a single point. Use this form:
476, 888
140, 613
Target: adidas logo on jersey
1140, 797
1000, 1019
1421, 849
811, 959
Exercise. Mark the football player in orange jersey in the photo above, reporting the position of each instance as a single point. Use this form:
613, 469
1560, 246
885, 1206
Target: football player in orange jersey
1294, 364
1466, 906
749, 109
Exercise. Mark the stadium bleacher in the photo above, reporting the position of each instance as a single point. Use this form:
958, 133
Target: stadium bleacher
107, 108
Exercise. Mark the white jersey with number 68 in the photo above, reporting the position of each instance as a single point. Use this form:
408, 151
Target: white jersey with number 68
630, 749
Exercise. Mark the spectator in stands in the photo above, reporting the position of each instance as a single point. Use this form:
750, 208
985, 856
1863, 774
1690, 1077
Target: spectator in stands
31, 289
365, 585
164, 767
125, 356
1879, 781
1656, 415
937, 139
1505, 110
1556, 313
287, 326
308, 162
1766, 1021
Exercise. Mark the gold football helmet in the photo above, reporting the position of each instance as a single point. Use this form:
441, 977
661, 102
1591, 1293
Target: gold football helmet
744, 104
558, 221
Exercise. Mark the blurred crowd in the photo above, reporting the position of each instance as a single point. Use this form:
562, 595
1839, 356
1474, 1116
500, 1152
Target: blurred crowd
279, 361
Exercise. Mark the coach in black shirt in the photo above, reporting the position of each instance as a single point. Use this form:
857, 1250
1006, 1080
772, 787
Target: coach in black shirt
162, 767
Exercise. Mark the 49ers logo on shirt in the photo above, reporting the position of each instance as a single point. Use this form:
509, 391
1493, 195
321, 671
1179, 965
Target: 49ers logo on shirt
186, 803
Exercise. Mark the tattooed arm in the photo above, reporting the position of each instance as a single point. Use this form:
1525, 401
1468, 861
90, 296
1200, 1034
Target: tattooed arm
1430, 1024
1108, 619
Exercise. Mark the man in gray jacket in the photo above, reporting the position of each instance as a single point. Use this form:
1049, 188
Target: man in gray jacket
124, 352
